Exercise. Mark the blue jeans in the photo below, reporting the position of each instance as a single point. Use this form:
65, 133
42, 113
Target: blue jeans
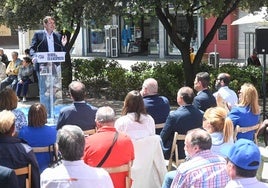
24, 87
168, 179
10, 80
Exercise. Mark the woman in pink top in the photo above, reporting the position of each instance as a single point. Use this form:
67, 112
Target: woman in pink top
134, 120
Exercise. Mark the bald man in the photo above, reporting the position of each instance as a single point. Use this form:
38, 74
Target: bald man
79, 113
157, 106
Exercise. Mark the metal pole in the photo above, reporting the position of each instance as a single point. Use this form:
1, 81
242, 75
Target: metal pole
264, 87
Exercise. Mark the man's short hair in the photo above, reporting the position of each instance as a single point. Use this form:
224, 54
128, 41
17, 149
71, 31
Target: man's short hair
187, 94
225, 77
7, 120
151, 85
71, 142
200, 138
47, 18
204, 78
77, 90
105, 114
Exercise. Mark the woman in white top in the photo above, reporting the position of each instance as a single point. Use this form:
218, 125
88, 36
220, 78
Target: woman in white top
219, 126
134, 121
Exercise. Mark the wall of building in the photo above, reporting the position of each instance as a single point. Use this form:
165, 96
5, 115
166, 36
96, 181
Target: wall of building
225, 40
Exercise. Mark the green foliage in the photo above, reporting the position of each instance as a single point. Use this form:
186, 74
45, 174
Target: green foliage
170, 77
107, 78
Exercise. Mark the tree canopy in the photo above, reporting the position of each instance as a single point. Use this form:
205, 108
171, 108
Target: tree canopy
72, 14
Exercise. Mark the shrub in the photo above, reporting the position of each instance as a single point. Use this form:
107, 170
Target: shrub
107, 78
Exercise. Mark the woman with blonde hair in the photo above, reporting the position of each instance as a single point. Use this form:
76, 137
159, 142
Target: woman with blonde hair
247, 112
219, 126
134, 121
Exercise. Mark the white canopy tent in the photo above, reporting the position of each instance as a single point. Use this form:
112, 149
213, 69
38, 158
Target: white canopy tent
259, 17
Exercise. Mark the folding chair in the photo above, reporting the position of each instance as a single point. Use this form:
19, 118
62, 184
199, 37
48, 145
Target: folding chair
89, 132
25, 171
159, 126
49, 149
122, 168
175, 150
239, 129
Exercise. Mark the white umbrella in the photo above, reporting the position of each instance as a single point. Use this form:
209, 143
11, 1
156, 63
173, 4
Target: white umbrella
257, 17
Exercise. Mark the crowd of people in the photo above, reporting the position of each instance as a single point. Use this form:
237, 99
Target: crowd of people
212, 156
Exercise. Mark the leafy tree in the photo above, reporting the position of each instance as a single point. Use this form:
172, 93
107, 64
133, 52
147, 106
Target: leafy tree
168, 12
70, 16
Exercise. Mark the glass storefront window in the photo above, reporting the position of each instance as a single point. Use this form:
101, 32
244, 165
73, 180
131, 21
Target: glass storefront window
97, 38
153, 44
182, 30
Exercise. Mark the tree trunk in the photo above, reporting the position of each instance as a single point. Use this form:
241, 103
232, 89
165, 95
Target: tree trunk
67, 66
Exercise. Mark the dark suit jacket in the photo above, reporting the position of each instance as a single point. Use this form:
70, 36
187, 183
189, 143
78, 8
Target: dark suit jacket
15, 153
204, 100
158, 107
39, 44
8, 178
181, 120
80, 114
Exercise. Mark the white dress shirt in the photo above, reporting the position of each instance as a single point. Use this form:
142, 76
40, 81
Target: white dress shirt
228, 95
75, 174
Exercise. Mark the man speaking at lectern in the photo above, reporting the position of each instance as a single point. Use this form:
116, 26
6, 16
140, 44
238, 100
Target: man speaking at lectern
47, 40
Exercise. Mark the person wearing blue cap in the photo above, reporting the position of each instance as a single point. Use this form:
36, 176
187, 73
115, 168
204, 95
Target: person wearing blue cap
243, 160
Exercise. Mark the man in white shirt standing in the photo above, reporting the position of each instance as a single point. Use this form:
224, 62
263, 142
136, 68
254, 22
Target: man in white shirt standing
224, 93
73, 172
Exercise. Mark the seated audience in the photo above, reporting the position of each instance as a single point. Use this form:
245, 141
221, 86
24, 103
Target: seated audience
204, 98
157, 106
79, 113
8, 178
243, 160
12, 73
9, 101
38, 134
25, 77
203, 168
15, 153
186, 117
99, 143
73, 172
2, 70
247, 112
219, 126
134, 121
229, 97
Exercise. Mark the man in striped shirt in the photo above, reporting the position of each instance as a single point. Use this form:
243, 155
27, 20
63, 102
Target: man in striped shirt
203, 168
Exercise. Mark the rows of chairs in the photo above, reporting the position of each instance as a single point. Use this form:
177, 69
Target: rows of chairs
127, 167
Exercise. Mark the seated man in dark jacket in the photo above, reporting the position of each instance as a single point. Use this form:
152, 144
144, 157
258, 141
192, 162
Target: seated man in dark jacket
185, 118
14, 153
157, 106
79, 113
